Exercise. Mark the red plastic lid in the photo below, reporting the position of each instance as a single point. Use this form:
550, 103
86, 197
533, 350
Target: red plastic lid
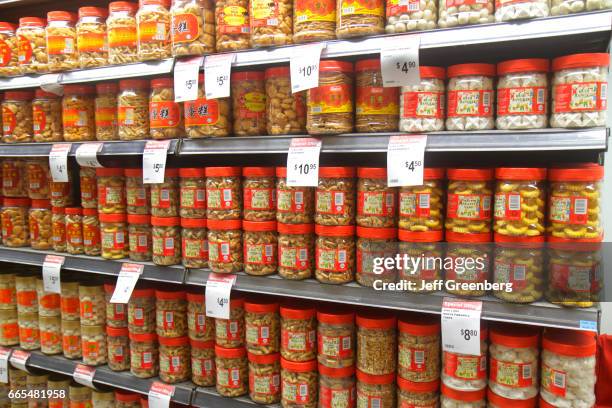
458, 238
514, 336
247, 76
223, 352
377, 233
595, 59
165, 221
261, 306
56, 210
470, 174
586, 173
109, 172
420, 236
193, 222
74, 211
93, 12
419, 325
164, 3
171, 172
372, 172
90, 211
41, 204
259, 225
295, 228
337, 172
277, 72
434, 173
79, 90
431, 386
39, 93
61, 16
143, 293
122, 6
432, 72
170, 294
520, 173
236, 302
258, 171
196, 297
299, 367
374, 379
471, 69
32, 22
297, 311
165, 82
467, 396
141, 219
117, 331
109, 288
192, 172
544, 404
198, 344
107, 87
143, 337
264, 359
4, 26
335, 231
336, 372
281, 172
16, 202
18, 95
570, 343
133, 172
502, 402
335, 317
376, 320
113, 217
223, 171
523, 65
174, 341
125, 396
368, 65
224, 224
133, 84
333, 65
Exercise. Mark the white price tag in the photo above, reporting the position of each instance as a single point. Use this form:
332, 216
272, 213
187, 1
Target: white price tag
304, 66
399, 61
303, 162
461, 326
19, 359
4, 357
160, 395
217, 71
405, 160
58, 162
51, 83
84, 375
186, 79
217, 295
87, 154
154, 161
51, 273
126, 281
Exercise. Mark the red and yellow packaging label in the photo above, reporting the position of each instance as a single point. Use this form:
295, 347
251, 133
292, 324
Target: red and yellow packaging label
153, 31
122, 36
330, 202
139, 242
470, 103
233, 20
203, 367
136, 196
229, 377
49, 338
5, 54
362, 7
252, 105
8, 296
9, 330
39, 120
508, 206
423, 105
37, 178
506, 272
568, 210
9, 121
330, 99
113, 240
185, 28
297, 392
106, 117
91, 235
395, 7
110, 195
554, 381
264, 13
376, 100
50, 301
28, 335
296, 258
69, 305
24, 51
58, 230
469, 206
89, 188
412, 359
195, 249
581, 96
570, 278
60, 45
259, 254
160, 197
75, 118
258, 335
228, 329
219, 252
465, 367
91, 349
332, 260
315, 10
469, 275
201, 112
192, 197
219, 198
164, 114
376, 203
74, 233
71, 344
414, 204
521, 101
337, 347
26, 298
91, 42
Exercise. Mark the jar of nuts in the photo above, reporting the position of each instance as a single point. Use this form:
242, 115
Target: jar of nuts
422, 106
116, 313
165, 115
171, 313
92, 42
58, 229
314, 22
285, 111
200, 327
113, 234
69, 301
232, 371
194, 245
260, 246
264, 378
262, 327
405, 16
336, 384
48, 302
299, 383
14, 178
71, 339
376, 106
271, 22
61, 193
295, 250
375, 387
203, 362
47, 117
421, 208
61, 41
166, 237
78, 113
106, 111
165, 195
462, 372
92, 304
29, 334
232, 25
335, 254
133, 109
27, 297
470, 96
15, 223
223, 193
225, 253
144, 355
141, 311
79, 395
89, 187
9, 64
376, 203
74, 230
93, 343
422, 394
294, 205
473, 246
298, 332
50, 334
207, 117
137, 193
230, 333
335, 196
118, 348
376, 344
359, 18
375, 243
249, 103
17, 117
121, 28
8, 294
91, 232
153, 30
139, 231
37, 179
193, 27
32, 51
419, 348
193, 192
9, 328
40, 224
420, 278
259, 194
335, 338
174, 359
111, 190
453, 13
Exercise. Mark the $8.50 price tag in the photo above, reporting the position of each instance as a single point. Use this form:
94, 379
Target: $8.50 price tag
87, 154
51, 273
399, 61
217, 70
303, 162
154, 161
217, 295
126, 281
58, 162
4, 357
405, 160
84, 375
160, 394
461, 326
186, 79
304, 67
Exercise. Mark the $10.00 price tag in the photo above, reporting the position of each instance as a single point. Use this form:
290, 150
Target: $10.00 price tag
19, 359
58, 162
217, 70
186, 79
126, 281
4, 357
87, 154
405, 160
304, 67
461, 326
160, 395
51, 273
399, 61
84, 375
217, 295
303, 162
154, 161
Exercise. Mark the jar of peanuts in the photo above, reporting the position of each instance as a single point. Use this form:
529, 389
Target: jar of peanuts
141, 311
232, 371
92, 42
153, 30
314, 22
133, 109
91, 232
194, 247
15, 225
193, 27
111, 190
203, 362
47, 117
376, 106
17, 117
359, 18
295, 250
232, 25
174, 359
335, 254
470, 97
118, 348
225, 252
336, 385
165, 195
469, 199
298, 332
422, 106
116, 313
166, 237
14, 178
113, 233
335, 196
223, 193
376, 343
165, 115
376, 203
285, 111
207, 117
193, 192
423, 394
171, 313
264, 378
375, 243
421, 208
249, 103
89, 188
137, 193
144, 355
106, 111
37, 179
40, 225
419, 348
74, 230
259, 194
121, 28
262, 325
32, 50
200, 327
61, 41
271, 22
58, 229
139, 231
335, 338
78, 113
230, 333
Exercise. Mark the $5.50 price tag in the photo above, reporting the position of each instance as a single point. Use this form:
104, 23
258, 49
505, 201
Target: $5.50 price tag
303, 162
304, 67
84, 375
461, 326
217, 70
160, 395
87, 154
19, 359
4, 357
58, 162
126, 281
154, 161
51, 273
399, 61
186, 79
405, 160
217, 295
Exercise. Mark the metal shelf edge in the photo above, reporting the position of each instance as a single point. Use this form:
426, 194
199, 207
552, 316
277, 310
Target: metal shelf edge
207, 397
109, 148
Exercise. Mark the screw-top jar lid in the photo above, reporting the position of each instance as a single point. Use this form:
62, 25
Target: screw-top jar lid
192, 172
299, 367
337, 172
372, 64
372, 172
170, 294
165, 82
16, 202
165, 221
261, 306
125, 396
32, 22
295, 228
133, 172
174, 341
376, 320
93, 12
4, 26
585, 60
195, 297
57, 210
275, 72
39, 93
523, 65
107, 87
432, 72
199, 344
514, 336
411, 386
133, 84
340, 372
143, 337
467, 396
38, 203
470, 174
61, 16
335, 231
258, 171
223, 352
224, 225
303, 311
376, 233
570, 343
520, 173
375, 379
503, 402
77, 89
117, 331
420, 236
329, 316
223, 171
419, 325
259, 225
193, 222
74, 211
120, 217
122, 6
469, 238
90, 211
591, 172
333, 65
139, 219
471, 69
18, 95
264, 359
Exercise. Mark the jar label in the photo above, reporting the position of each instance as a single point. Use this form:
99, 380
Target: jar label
203, 367
153, 31
37, 179
296, 392
369, 401
554, 381
298, 340
465, 367
122, 36
28, 335
91, 349
113, 240
395, 7
5, 53
49, 301
290, 201
197, 322
117, 311
91, 235
258, 335
220, 252
376, 100
469, 206
89, 188
87, 311
117, 353
164, 115
335, 346
465, 274
296, 258
60, 45
160, 197
259, 254
330, 99
9, 330
26, 298
106, 117
49, 339
170, 364
264, 13
228, 329
59, 190
469, 103
220, 198
69, 305
332, 260
232, 20
71, 344
166, 319
126, 115
251, 105
9, 121
569, 210
415, 204
423, 104
7, 296
136, 196
259, 199
581, 96
201, 112
573, 278
11, 177
138, 317
59, 232
521, 101
195, 249
508, 206
314, 10
362, 7
145, 359
264, 384
75, 118
74, 233
376, 203
192, 197
506, 272
34, 229
229, 377
7, 226
330, 202
139, 242
514, 375
24, 52
92, 42
185, 28
337, 398
163, 245
412, 359
39, 119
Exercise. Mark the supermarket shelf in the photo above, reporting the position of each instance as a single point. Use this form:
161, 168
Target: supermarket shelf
209, 398
109, 149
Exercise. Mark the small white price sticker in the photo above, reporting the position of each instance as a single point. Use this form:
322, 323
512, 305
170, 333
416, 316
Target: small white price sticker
217, 71
154, 161
304, 66
160, 395
87, 154
126, 281
186, 73
84, 375
58, 162
51, 83
303, 162
4, 357
51, 268
399, 61
217, 295
19, 359
461, 326
405, 160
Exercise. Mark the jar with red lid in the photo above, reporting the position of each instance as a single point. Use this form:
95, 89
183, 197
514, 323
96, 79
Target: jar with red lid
166, 237
335, 254
144, 355
47, 117
79, 113
519, 262
418, 394
376, 203
74, 230
165, 195
171, 313
203, 362
264, 378
111, 190
207, 117
262, 326
373, 244
298, 332
62, 41
200, 327
259, 194
174, 359
249, 103
71, 339
133, 109
376, 343
294, 205
139, 232
193, 27
9, 64
192, 192
376, 107
40, 225
452, 398
469, 257
114, 236
60, 192
230, 333
375, 390
466, 372
165, 115
32, 45
469, 199
37, 175
105, 105
232, 25
14, 178
116, 313
153, 30
271, 23
124, 399
360, 18
121, 29
91, 232
335, 338
330, 105
285, 111
405, 16
137, 194
335, 196
295, 250
260, 247
299, 383
422, 106
91, 34
497, 401
232, 371
223, 193
89, 188
471, 97
225, 252
15, 223
194, 246
118, 344
58, 229
141, 311
419, 348
314, 22
17, 117
336, 387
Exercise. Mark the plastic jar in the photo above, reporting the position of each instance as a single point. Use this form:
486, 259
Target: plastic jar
40, 224
91, 232
126, 399
375, 390
8, 293
262, 327
232, 371
469, 201
200, 327
497, 401
418, 394
46, 117
423, 106
36, 386
74, 230
37, 176
106, 111
91, 33
118, 348
121, 28
89, 188
174, 359
223, 193
171, 313
9, 328
458, 277
194, 245
137, 193
61, 192
259, 194
141, 311
203, 363
456, 12
264, 378
93, 344
61, 41
519, 262
113, 233
248, 103
285, 111
336, 387
165, 196
144, 356
330, 105
116, 313
299, 383
15, 232
153, 30
27, 297
335, 196
295, 250
470, 97
58, 229
92, 304
192, 193
166, 237
133, 109
376, 344
560, 7
48, 302
360, 18
80, 396
452, 398
463, 372
71, 339
298, 333
78, 113
335, 339
193, 27
508, 10
294, 205
260, 247
375, 243
165, 115
419, 349
17, 117
376, 203
421, 208
207, 117
59, 386
32, 45
376, 107
232, 25
335, 254
69, 301
139, 231
230, 333
225, 246
410, 16
314, 22
271, 23
111, 190
13, 178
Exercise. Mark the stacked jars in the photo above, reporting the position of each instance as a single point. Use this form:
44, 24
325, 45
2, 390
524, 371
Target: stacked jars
9, 65
249, 103
285, 110
335, 338
463, 372
376, 107
141, 316
9, 327
171, 324
193, 217
27, 312
153, 30
422, 106
230, 351
232, 25
356, 19
92, 304
91, 34
32, 52
193, 27
47, 117
70, 315
165, 115
165, 195
470, 97
106, 111
314, 22
133, 109
40, 225
91, 232
271, 23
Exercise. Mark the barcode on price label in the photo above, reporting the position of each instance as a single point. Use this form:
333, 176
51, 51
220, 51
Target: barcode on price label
461, 326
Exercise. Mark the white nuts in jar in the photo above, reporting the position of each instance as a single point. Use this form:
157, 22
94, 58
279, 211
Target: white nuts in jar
423, 106
470, 97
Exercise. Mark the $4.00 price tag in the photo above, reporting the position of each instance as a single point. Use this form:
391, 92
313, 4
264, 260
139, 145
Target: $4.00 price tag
186, 79
87, 154
4, 357
58, 162
405, 160
217, 69
304, 66
84, 375
217, 295
303, 162
154, 161
160, 395
51, 273
461, 326
399, 61
19, 359
126, 281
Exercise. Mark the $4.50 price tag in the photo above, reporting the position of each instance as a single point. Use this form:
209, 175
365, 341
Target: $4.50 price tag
304, 66
461, 326
217, 295
19, 359
87, 154
126, 281
303, 162
217, 69
58, 162
405, 160
186, 79
154, 161
399, 61
84, 375
51, 273
160, 395
4, 357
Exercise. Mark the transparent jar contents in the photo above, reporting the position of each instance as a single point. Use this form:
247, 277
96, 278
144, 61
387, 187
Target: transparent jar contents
78, 113
9, 328
37, 176
50, 328
48, 302
225, 253
376, 203
113, 233
171, 313
153, 30
8, 292
376, 344
232, 25
79, 395
74, 231
296, 251
262, 327
36, 386
144, 355
174, 359
376, 107
421, 208
230, 333
29, 334
271, 22
32, 42
61, 41
165, 115
58, 229
203, 363
471, 97
207, 117
314, 22
294, 205
423, 106
411, 16
116, 313
15, 223
336, 386
264, 378
335, 196
92, 304
454, 13
422, 278
451, 398
141, 311
380, 388
223, 193
192, 193
17, 117
137, 193
248, 103
260, 248
89, 188
298, 333
133, 109
374, 243
259, 196
91, 232
139, 231
59, 387
166, 237
40, 226
359, 18
562, 7
61, 193
469, 201
27, 297
102, 399
330, 105
419, 349
121, 27
232, 371
193, 27
106, 111
17, 382
285, 111
194, 243
200, 327
111, 190
69, 301
47, 117
462, 372
460, 280
519, 10
523, 267
335, 339
299, 384
91, 34
165, 196
13, 178
118, 348
335, 254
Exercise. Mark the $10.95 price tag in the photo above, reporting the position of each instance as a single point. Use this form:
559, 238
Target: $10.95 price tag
405, 160
51, 273
217, 295
217, 70
461, 326
126, 281
399, 61
303, 162
304, 67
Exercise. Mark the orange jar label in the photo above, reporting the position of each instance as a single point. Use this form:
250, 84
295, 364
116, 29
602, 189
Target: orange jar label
106, 117
362, 7
39, 120
201, 112
24, 52
153, 31
5, 54
75, 118
69, 305
315, 10
88, 188
74, 233
122, 36
233, 20
423, 105
264, 13
9, 330
185, 28
50, 301
252, 105
376, 100
26, 298
91, 42
7, 296
581, 96
330, 99
37, 178
60, 45
164, 114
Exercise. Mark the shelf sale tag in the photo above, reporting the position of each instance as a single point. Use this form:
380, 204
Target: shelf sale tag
51, 273
160, 395
217, 295
304, 66
399, 61
19, 359
58, 162
4, 357
405, 160
126, 281
51, 83
154, 161
217, 71
461, 326
87, 154
84, 375
186, 79
303, 162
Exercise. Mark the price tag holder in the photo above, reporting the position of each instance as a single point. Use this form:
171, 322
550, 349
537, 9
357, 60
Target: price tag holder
126, 281
51, 268
303, 162
304, 67
217, 71
461, 326
186, 79
399, 61
87, 154
160, 395
217, 295
51, 83
405, 160
5, 353
19, 359
84, 375
58, 162
154, 161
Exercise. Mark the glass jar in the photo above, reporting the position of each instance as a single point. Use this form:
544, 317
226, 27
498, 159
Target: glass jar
116, 316
298, 333
9, 328
79, 113
259, 194
114, 236
126, 399
336, 387
372, 244
232, 25
335, 196
422, 106
410, 16
89, 188
470, 97
295, 250
469, 202
32, 45
133, 109
8, 293
165, 115
118, 348
61, 41
203, 363
561, 7
314, 22
105, 105
139, 231
299, 383
144, 355
137, 193
80, 396
46, 117
69, 301
421, 278
61, 193
335, 339
194, 246
193, 27
376, 343
92, 304
375, 390
13, 178
17, 382
330, 105
464, 372
457, 12
223, 193
232, 371
225, 246
376, 203
207, 117
15, 231
171, 313
230, 333
111, 190
59, 387
17, 117
91, 34
421, 208
285, 111
166, 237
174, 359
50, 328
248, 103
27, 297
192, 192
91, 232
74, 230
200, 327
141, 311
40, 225
165, 196
360, 18
121, 28
58, 229
153, 30
452, 398
37, 176
419, 349
264, 378
376, 107
48, 302
335, 254
29, 335
271, 23
260, 247
519, 10
262, 327
460, 278
294, 205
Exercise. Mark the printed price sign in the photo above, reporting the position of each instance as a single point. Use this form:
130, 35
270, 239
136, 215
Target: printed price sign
405, 160
160, 395
154, 161
217, 70
4, 357
303, 162
126, 281
399, 61
186, 79
217, 295
58, 162
304, 66
51, 83
19, 359
461, 326
87, 154
51, 273
84, 375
